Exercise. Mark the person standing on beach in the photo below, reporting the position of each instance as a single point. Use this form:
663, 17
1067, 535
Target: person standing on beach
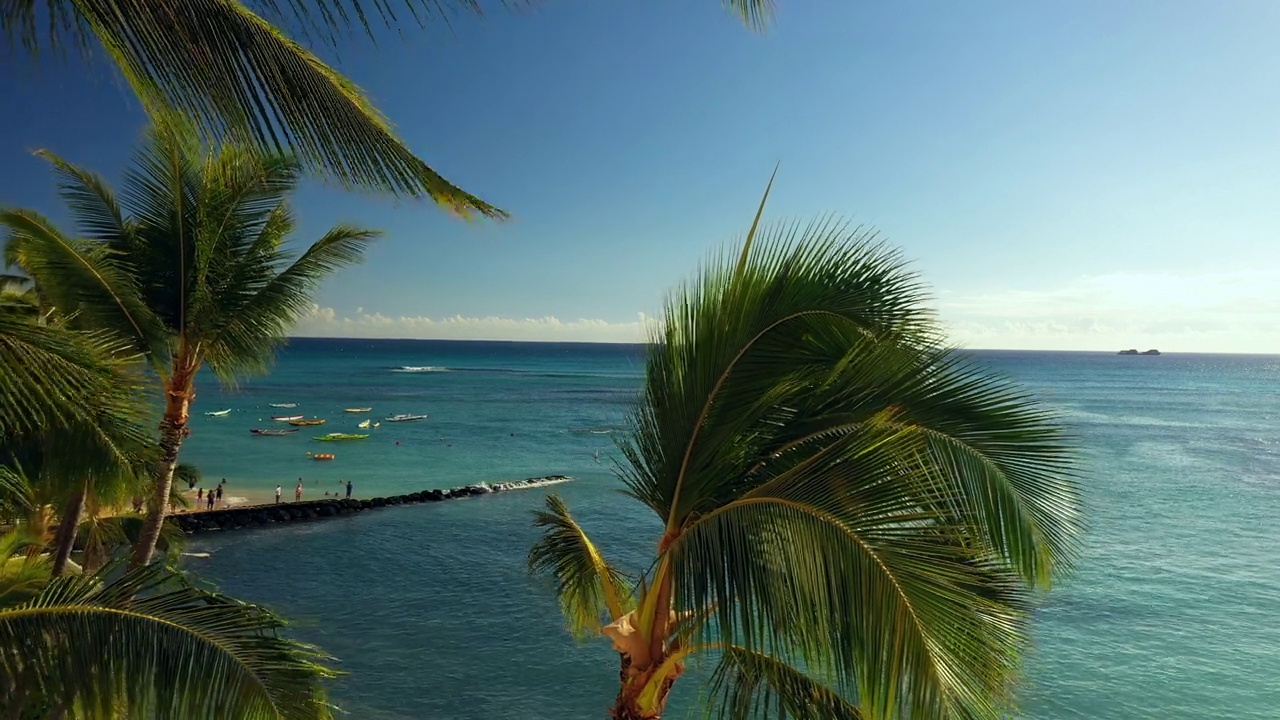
220, 492
348, 489
277, 494
209, 499
199, 496
297, 492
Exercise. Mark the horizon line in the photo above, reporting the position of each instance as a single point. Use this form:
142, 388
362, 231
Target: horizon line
619, 343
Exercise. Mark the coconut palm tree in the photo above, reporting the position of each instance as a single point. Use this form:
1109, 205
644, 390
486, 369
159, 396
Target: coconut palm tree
241, 77
190, 269
853, 516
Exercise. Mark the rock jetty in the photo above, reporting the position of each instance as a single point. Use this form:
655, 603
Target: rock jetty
264, 515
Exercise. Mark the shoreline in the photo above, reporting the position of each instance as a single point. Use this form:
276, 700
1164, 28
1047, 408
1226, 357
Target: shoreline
233, 516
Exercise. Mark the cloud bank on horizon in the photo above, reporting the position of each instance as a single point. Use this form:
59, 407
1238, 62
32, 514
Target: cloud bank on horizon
1230, 311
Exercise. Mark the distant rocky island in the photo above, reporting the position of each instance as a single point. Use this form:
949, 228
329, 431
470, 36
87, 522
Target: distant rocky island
1133, 351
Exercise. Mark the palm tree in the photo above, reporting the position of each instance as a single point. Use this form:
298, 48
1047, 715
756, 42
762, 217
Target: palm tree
224, 64
853, 516
191, 269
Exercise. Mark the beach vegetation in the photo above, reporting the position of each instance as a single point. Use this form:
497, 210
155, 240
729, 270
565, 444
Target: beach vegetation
92, 640
855, 517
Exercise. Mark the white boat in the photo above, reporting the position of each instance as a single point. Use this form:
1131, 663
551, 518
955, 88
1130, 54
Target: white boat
405, 417
219, 413
364, 424
286, 418
358, 410
283, 405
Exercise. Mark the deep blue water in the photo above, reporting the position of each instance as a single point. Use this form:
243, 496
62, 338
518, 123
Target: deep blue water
1171, 614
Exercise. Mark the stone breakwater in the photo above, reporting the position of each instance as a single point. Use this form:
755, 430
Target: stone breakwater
264, 515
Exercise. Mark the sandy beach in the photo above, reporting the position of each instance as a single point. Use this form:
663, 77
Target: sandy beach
235, 496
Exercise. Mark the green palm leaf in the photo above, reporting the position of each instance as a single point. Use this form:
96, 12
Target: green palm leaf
151, 644
22, 572
82, 278
592, 592
52, 377
748, 685
240, 77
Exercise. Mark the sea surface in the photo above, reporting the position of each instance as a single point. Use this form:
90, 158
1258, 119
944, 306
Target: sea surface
1174, 611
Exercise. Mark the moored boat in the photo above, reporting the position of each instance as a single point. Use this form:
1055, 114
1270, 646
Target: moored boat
282, 431
341, 436
357, 410
405, 417
306, 423
287, 418
322, 456
364, 424
283, 405
219, 413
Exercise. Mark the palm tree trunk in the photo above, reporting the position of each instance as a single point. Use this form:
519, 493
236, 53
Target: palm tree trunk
173, 428
627, 705
65, 537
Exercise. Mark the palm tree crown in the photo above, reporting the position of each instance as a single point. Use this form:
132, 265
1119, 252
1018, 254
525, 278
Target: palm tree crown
853, 514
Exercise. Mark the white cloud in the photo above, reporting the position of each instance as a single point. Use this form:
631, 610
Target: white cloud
1188, 312
326, 322
1236, 311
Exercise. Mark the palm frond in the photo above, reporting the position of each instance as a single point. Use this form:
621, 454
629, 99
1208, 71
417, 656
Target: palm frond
757, 14
151, 644
22, 573
81, 278
747, 685
16, 497
842, 562
719, 367
89, 198
253, 320
52, 377
241, 78
592, 592
187, 473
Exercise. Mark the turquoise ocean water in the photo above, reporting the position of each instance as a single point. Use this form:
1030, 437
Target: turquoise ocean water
1174, 612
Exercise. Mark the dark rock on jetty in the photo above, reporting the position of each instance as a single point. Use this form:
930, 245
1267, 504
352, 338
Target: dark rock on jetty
263, 515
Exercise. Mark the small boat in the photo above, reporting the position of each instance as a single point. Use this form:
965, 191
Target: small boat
322, 456
282, 431
405, 417
219, 413
364, 424
341, 436
287, 418
283, 405
377, 424
357, 410
306, 423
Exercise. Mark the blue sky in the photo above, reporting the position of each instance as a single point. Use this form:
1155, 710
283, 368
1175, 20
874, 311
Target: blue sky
1065, 175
